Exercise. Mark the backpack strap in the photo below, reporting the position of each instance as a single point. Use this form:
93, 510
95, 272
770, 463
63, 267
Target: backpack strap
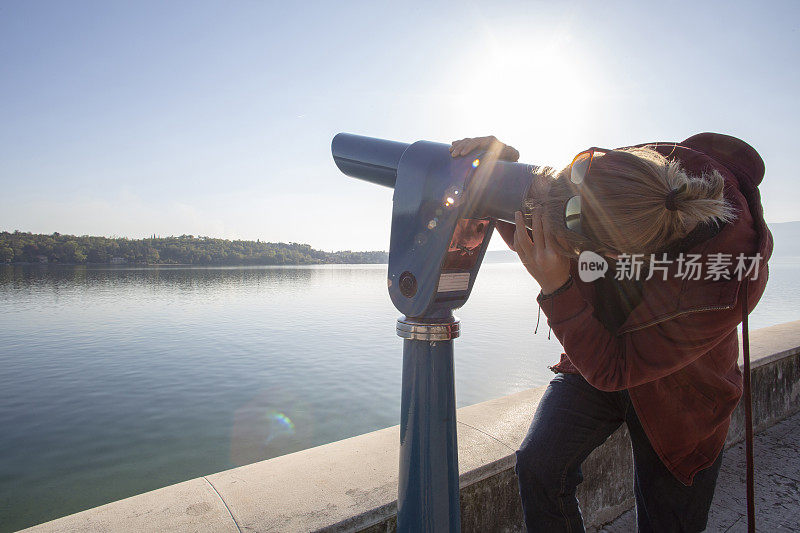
748, 415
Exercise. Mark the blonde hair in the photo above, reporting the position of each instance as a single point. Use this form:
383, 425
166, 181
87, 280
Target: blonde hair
623, 202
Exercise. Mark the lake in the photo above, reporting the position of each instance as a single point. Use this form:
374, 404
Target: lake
116, 381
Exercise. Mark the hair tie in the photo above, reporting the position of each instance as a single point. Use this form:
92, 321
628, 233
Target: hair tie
670, 201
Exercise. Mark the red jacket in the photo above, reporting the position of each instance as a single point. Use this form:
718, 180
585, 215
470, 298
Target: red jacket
677, 352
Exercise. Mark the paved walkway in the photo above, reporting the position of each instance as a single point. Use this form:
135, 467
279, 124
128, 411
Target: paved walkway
777, 470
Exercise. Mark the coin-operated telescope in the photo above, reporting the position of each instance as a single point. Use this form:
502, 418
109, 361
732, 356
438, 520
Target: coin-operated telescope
443, 215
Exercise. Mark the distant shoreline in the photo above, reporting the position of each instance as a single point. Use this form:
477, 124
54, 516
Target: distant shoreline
187, 250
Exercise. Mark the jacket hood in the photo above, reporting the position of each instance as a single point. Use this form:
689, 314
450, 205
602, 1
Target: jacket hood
743, 169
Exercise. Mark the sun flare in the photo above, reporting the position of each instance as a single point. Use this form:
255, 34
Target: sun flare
535, 95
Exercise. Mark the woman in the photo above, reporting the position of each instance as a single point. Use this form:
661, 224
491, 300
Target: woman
653, 342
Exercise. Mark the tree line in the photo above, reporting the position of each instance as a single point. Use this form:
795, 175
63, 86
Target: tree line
20, 247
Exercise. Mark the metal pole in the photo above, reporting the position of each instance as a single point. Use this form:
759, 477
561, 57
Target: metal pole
427, 499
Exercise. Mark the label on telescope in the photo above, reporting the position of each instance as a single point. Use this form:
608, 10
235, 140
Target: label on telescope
458, 281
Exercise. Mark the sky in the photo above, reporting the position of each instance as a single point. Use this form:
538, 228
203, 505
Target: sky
215, 118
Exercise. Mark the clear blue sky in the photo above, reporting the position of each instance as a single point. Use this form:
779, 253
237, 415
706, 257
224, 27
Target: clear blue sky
215, 118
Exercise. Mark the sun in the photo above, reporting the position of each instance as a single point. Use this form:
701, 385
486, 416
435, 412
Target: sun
533, 93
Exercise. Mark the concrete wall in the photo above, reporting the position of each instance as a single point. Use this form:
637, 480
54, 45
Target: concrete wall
351, 485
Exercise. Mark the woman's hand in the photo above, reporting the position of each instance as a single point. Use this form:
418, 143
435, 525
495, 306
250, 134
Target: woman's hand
546, 265
488, 143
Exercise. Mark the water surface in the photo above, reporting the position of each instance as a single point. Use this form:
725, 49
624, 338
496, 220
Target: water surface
115, 381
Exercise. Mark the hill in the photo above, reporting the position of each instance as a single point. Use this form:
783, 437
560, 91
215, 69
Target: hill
787, 238
19, 247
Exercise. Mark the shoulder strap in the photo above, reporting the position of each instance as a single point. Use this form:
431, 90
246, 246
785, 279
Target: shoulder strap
748, 415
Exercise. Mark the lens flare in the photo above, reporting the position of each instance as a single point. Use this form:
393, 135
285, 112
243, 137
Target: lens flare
476, 163
278, 425
272, 423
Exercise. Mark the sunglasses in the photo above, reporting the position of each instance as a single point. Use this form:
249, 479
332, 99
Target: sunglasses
578, 170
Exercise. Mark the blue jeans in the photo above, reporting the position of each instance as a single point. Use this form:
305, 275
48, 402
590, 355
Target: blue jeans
573, 419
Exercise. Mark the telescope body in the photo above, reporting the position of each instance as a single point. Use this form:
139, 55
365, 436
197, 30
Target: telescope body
443, 214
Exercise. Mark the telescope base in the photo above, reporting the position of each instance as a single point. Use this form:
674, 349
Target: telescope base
428, 497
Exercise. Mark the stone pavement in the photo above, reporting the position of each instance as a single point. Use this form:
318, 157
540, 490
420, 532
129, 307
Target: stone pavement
776, 457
